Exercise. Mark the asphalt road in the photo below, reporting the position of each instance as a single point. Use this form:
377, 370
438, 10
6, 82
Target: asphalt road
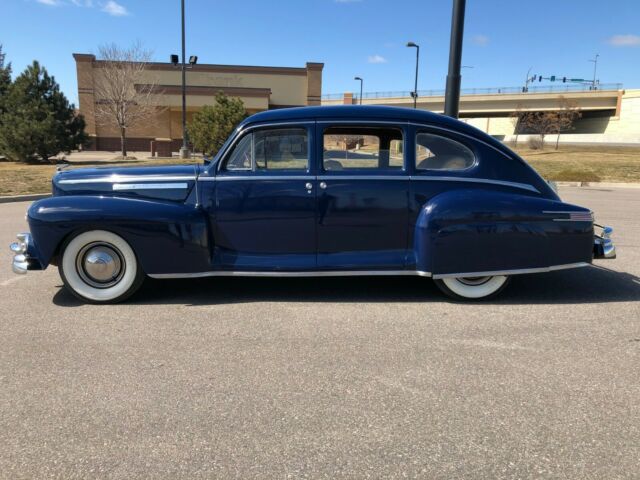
327, 378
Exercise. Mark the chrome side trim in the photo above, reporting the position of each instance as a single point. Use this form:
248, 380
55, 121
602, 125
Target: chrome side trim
149, 186
333, 273
128, 178
512, 272
522, 186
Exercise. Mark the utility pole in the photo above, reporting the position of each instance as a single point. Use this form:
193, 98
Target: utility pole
361, 82
595, 69
184, 151
452, 92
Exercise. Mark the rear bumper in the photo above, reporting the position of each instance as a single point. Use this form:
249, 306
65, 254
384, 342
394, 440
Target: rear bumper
22, 261
603, 246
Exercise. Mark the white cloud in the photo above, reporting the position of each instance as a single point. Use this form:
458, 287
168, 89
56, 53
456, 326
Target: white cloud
376, 59
53, 3
625, 40
115, 9
480, 40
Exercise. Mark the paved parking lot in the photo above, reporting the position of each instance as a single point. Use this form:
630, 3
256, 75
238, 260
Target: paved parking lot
331, 378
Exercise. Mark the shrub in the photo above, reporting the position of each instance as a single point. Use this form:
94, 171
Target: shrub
535, 142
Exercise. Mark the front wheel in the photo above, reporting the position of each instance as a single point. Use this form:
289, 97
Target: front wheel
100, 267
473, 288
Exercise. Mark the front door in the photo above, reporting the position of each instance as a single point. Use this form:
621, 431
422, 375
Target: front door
265, 202
363, 197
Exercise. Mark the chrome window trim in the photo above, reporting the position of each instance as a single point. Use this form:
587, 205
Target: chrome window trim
217, 167
523, 186
520, 271
127, 178
227, 178
342, 176
149, 186
415, 144
455, 132
308, 273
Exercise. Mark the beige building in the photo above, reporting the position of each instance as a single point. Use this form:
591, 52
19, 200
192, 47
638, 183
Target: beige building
259, 88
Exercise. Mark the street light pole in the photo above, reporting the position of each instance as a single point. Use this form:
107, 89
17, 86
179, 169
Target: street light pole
595, 69
415, 86
452, 93
184, 151
361, 82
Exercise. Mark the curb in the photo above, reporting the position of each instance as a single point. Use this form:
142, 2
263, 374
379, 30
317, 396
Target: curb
598, 184
24, 198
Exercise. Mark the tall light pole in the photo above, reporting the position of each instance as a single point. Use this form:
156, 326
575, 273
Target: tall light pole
415, 86
184, 151
452, 92
361, 81
595, 69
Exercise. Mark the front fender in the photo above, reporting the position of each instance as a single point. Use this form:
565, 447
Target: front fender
473, 230
166, 236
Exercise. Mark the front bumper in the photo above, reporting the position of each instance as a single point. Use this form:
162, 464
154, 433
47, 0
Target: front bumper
603, 246
22, 262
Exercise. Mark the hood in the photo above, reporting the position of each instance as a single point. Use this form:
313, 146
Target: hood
171, 182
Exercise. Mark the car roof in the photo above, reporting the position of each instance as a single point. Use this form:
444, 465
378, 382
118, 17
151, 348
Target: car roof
350, 111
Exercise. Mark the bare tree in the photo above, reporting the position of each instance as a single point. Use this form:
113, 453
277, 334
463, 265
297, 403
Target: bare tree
569, 112
517, 117
540, 123
125, 96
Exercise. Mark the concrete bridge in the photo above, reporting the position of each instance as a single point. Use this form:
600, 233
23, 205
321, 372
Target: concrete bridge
609, 114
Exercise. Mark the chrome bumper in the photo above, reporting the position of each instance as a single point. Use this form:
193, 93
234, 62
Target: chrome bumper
603, 246
19, 248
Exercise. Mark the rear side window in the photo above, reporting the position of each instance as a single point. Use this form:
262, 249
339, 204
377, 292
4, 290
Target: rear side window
434, 152
349, 148
267, 150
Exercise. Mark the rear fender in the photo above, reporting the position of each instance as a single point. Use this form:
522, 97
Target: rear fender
473, 230
166, 236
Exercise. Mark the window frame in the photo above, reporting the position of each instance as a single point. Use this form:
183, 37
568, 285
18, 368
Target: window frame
226, 155
446, 135
387, 172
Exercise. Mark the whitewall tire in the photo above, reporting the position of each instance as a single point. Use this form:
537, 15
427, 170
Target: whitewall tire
100, 267
473, 288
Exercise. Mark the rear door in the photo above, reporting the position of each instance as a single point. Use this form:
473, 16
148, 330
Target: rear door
363, 192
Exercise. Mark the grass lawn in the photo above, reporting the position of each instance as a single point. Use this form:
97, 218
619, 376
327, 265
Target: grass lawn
580, 164
585, 164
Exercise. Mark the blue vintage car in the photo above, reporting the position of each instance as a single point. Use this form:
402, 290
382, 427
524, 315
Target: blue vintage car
315, 191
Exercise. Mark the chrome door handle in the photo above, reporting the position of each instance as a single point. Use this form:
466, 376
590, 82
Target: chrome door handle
323, 185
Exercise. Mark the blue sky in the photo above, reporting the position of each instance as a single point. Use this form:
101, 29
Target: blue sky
503, 38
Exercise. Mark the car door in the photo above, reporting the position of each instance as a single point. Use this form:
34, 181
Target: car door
265, 201
362, 196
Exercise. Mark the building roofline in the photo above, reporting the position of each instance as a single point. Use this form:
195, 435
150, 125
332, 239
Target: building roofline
211, 67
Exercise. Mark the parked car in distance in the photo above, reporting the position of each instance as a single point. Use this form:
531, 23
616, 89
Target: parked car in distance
315, 191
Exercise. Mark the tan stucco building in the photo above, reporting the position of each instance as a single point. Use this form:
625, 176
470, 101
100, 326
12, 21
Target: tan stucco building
260, 88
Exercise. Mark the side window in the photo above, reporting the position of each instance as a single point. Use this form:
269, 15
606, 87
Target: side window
347, 148
434, 152
266, 150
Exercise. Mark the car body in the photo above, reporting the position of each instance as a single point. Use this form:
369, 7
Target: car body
315, 191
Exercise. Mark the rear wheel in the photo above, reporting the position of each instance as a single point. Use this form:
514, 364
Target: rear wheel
100, 267
473, 288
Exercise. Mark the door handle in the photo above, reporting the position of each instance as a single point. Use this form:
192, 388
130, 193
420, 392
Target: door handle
323, 185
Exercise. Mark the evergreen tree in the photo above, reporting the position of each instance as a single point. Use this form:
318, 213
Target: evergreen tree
212, 125
38, 121
5, 75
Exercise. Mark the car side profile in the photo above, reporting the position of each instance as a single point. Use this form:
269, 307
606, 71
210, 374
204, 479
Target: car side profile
315, 191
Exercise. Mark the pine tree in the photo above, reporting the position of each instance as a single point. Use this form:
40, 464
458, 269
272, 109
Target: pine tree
5, 74
212, 125
38, 121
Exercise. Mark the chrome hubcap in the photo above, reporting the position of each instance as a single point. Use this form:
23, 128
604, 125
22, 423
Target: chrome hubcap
100, 265
474, 281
